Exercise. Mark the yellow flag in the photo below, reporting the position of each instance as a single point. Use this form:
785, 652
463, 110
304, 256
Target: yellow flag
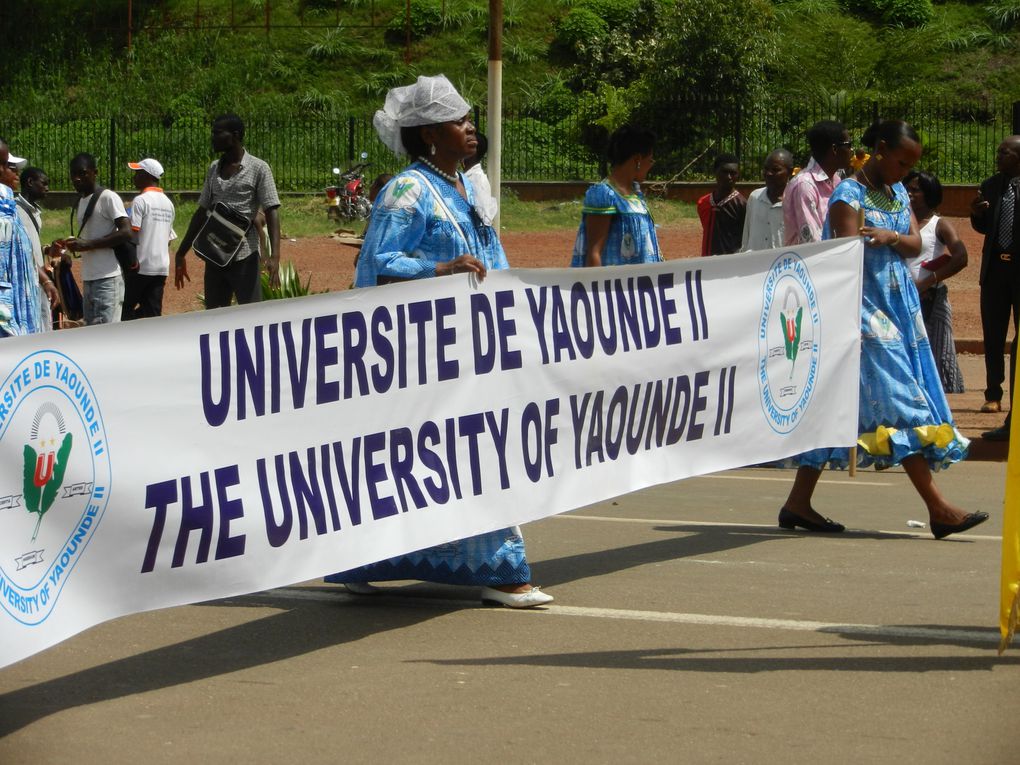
1010, 588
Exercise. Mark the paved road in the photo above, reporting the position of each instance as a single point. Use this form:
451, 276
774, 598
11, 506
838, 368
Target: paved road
687, 628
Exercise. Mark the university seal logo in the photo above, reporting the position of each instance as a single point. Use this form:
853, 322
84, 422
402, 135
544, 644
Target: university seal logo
788, 349
53, 498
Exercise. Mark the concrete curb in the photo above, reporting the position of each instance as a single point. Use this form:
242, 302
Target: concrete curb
975, 346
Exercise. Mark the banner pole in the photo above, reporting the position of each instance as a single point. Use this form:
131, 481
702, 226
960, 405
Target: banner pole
853, 449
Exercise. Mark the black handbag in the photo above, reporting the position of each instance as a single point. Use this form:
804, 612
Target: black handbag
220, 237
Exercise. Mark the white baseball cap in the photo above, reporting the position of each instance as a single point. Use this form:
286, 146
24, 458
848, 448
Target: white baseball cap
18, 162
151, 166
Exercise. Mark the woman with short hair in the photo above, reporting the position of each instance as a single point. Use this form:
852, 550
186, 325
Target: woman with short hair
943, 254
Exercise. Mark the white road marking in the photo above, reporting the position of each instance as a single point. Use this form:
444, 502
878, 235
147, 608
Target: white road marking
879, 631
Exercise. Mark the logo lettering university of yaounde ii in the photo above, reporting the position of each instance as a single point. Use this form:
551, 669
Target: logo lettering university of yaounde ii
55, 481
788, 342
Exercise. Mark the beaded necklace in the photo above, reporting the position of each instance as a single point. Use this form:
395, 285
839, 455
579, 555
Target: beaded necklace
445, 176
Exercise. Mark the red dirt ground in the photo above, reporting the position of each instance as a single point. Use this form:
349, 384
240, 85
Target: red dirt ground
331, 265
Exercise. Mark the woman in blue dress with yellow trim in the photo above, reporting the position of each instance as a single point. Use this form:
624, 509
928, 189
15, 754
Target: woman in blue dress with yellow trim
424, 224
904, 418
616, 226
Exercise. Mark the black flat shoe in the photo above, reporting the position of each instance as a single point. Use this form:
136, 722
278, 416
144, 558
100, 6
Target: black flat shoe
788, 520
943, 530
1000, 433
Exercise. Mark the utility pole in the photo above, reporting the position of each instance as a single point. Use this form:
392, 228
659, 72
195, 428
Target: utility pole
495, 126
407, 32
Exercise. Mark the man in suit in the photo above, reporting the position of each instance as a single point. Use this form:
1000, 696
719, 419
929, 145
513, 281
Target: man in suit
995, 212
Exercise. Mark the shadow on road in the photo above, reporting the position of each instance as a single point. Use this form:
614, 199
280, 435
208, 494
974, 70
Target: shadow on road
701, 539
698, 660
303, 628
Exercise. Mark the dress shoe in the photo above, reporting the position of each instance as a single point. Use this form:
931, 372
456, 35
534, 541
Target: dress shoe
1000, 433
530, 599
362, 588
943, 530
788, 520
991, 406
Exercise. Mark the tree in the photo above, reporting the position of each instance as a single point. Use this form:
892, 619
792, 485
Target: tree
719, 47
719, 51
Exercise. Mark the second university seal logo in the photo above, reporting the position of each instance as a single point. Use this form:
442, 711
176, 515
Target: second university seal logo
788, 334
52, 498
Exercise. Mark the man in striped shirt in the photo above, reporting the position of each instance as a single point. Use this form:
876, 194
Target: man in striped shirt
806, 199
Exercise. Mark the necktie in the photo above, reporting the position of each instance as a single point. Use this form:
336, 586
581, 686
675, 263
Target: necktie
1006, 216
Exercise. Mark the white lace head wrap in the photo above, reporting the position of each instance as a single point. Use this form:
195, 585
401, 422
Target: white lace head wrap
429, 101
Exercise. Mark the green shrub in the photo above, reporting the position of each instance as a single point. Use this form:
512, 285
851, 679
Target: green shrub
579, 27
290, 284
1004, 14
616, 13
426, 18
908, 13
549, 100
896, 13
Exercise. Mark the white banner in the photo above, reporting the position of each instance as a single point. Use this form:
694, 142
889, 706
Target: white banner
175, 460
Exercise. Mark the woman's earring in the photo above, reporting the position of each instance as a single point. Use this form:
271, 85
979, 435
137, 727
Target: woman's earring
638, 165
432, 150
878, 157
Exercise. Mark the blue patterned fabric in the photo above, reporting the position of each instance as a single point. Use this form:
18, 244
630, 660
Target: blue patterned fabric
903, 410
631, 232
489, 560
411, 231
19, 281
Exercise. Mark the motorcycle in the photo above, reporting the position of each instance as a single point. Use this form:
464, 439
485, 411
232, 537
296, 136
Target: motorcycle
347, 199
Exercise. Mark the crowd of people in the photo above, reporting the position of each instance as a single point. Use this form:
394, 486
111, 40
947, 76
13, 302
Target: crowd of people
430, 221
435, 218
124, 250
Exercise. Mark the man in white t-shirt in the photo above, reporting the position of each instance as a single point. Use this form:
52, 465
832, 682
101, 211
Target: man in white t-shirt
152, 221
485, 204
106, 227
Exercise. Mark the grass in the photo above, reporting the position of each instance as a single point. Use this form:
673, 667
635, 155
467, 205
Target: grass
300, 217
305, 216
518, 216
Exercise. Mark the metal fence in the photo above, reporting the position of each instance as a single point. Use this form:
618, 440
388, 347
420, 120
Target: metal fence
960, 140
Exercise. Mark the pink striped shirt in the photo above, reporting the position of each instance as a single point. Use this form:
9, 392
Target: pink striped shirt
805, 204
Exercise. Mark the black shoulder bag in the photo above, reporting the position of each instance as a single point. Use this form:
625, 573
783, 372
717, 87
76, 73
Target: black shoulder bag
28, 210
127, 252
221, 235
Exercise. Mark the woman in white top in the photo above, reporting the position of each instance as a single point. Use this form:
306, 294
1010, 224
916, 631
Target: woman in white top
943, 254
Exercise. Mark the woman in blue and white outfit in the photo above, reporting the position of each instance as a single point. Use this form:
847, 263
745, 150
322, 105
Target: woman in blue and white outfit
19, 281
904, 418
424, 224
616, 227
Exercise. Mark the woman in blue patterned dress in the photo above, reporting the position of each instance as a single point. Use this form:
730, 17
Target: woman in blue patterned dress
19, 281
904, 418
616, 227
424, 224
